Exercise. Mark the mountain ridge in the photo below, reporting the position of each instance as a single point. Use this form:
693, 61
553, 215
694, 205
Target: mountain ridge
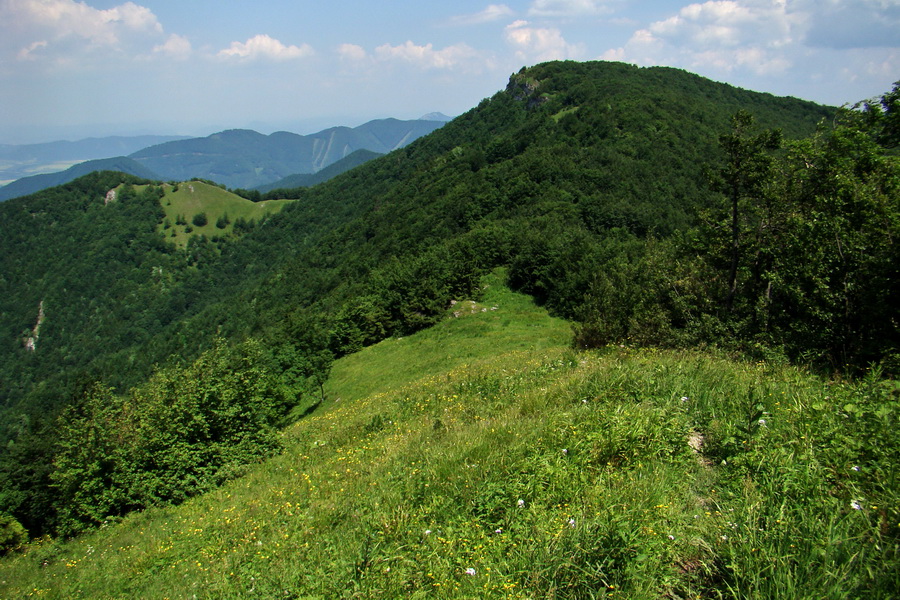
586, 184
244, 158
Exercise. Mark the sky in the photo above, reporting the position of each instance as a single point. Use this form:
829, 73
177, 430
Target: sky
73, 69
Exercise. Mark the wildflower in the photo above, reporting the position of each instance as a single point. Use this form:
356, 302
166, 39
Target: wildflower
427, 532
684, 398
854, 468
565, 450
762, 422
855, 505
571, 522
498, 531
470, 571
671, 537
520, 503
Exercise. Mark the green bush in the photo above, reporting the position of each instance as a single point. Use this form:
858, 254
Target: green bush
12, 534
200, 219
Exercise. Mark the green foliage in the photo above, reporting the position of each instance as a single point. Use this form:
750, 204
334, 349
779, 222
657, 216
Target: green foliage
200, 219
412, 485
12, 534
584, 179
185, 431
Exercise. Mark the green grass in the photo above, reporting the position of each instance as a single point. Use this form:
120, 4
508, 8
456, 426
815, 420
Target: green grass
486, 446
195, 197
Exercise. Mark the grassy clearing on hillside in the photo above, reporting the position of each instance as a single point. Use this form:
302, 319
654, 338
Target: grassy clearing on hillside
526, 470
195, 197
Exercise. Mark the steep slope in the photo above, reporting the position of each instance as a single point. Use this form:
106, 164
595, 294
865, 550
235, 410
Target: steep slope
568, 147
246, 159
583, 180
35, 183
483, 458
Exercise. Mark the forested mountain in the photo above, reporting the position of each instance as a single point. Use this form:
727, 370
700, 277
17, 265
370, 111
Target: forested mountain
648, 205
35, 183
354, 159
247, 159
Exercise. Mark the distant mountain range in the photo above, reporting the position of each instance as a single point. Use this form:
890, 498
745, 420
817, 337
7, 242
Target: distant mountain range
36, 183
25, 160
242, 158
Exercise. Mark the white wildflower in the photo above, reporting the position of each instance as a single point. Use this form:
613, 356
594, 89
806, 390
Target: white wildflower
520, 503
855, 505
470, 571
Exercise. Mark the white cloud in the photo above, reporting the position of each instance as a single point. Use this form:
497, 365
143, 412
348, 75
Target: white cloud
72, 34
809, 48
721, 35
426, 57
263, 47
175, 46
352, 52
28, 53
58, 20
540, 44
492, 13
568, 8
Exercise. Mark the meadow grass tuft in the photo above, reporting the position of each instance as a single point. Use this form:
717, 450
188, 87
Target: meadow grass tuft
483, 458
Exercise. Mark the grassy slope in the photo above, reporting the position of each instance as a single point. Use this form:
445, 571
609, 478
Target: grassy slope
195, 196
416, 475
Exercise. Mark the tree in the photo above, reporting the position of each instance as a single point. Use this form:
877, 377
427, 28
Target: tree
200, 219
743, 179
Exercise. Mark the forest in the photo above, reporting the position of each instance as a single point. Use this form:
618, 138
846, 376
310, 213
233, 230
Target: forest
648, 206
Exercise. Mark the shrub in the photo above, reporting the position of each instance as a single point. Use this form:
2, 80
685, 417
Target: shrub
200, 219
12, 534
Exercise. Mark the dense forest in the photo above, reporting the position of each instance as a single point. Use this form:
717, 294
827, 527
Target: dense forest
648, 205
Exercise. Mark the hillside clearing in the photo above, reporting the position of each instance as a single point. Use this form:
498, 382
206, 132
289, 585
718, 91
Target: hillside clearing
221, 208
520, 469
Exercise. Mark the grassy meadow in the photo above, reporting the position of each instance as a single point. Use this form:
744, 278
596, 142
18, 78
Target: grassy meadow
483, 458
183, 201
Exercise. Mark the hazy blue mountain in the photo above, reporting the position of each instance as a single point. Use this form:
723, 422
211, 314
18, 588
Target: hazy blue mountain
435, 116
246, 159
334, 169
36, 183
24, 160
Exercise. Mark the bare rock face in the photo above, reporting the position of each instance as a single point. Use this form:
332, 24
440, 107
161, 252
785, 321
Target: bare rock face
31, 340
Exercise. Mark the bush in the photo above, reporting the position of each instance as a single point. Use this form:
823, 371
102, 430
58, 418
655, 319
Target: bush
200, 219
12, 534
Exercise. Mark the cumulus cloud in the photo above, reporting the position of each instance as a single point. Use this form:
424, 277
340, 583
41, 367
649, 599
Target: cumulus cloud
62, 19
352, 52
264, 47
539, 44
568, 8
68, 32
723, 35
426, 57
175, 46
493, 12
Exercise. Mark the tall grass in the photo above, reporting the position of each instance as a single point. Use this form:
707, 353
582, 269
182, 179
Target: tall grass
526, 470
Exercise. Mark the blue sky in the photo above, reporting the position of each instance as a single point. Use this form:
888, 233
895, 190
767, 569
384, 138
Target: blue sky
71, 69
